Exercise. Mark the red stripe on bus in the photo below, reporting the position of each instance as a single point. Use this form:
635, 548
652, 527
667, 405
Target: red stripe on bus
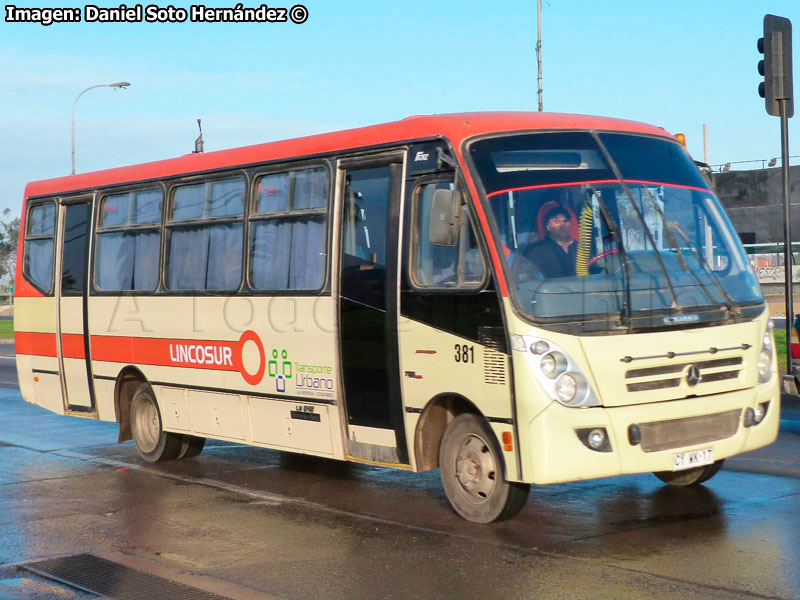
596, 182
454, 127
194, 354
544, 186
218, 355
72, 345
674, 185
38, 344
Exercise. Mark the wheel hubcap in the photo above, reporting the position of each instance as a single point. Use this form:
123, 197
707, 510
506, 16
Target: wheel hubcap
146, 426
475, 468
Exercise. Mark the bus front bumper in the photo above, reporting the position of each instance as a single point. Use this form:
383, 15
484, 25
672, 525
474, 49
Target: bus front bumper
555, 453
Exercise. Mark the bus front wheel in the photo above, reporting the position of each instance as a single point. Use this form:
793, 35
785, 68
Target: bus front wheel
688, 477
152, 443
472, 473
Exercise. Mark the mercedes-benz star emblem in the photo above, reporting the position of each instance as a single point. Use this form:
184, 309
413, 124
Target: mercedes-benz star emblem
693, 376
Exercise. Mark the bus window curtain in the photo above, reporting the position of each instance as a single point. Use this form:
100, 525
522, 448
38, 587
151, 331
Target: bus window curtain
288, 254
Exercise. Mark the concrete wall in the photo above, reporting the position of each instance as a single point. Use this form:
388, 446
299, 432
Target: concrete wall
754, 202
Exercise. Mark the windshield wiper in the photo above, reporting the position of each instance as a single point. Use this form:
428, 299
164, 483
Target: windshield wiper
648, 233
729, 302
616, 236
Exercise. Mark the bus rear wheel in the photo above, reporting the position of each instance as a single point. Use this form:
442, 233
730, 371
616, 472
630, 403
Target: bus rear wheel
152, 443
191, 446
688, 477
472, 473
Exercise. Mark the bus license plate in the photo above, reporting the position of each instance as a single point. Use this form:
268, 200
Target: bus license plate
695, 458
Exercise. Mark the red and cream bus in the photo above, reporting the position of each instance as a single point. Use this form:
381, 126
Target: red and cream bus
514, 298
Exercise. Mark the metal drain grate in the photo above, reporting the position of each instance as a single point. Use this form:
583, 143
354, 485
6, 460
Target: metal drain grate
113, 580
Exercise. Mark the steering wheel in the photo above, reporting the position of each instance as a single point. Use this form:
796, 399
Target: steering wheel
605, 254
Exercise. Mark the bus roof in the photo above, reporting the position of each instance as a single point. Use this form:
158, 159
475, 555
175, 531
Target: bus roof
456, 127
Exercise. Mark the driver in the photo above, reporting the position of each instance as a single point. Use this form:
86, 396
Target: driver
555, 255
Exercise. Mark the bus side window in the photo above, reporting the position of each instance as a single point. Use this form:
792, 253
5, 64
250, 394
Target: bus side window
444, 267
205, 235
288, 231
38, 257
129, 241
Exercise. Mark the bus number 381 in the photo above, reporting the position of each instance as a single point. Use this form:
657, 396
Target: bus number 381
464, 353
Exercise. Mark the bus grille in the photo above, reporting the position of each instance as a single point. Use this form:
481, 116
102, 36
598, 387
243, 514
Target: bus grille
676, 373
677, 433
494, 360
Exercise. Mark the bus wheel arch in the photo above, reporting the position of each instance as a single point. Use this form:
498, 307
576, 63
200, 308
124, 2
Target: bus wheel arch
436, 416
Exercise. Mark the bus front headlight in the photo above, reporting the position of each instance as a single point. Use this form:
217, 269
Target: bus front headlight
560, 376
569, 388
553, 364
766, 355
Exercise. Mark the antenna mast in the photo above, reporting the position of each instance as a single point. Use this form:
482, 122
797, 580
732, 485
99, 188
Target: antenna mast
198, 143
539, 50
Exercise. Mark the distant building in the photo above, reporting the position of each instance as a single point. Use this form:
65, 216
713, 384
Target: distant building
754, 203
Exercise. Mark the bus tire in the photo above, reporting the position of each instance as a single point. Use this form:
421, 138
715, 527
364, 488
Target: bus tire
472, 473
688, 477
191, 446
152, 443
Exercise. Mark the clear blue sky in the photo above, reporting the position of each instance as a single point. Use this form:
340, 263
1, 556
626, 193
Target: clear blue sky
677, 64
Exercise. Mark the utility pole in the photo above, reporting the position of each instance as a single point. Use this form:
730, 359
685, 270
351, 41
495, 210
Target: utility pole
539, 50
705, 144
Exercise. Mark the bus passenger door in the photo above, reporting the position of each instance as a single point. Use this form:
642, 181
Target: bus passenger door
71, 290
368, 309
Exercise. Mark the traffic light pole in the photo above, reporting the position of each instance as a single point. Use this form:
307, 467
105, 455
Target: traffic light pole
778, 94
787, 233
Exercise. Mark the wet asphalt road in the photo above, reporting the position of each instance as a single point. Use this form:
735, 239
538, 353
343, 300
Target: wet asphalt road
252, 523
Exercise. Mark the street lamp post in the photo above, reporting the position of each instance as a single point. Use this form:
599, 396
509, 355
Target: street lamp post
120, 84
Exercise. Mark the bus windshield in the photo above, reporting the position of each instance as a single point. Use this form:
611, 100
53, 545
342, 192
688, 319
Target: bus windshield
612, 231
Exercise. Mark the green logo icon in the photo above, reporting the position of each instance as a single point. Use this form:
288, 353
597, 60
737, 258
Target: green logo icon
284, 363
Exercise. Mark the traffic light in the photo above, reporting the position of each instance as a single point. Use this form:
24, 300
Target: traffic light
776, 67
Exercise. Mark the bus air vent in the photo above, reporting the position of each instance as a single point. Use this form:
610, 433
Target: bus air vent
494, 359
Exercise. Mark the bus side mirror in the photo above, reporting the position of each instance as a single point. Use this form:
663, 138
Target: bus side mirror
445, 218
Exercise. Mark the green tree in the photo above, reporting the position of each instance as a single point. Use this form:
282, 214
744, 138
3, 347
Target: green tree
9, 233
